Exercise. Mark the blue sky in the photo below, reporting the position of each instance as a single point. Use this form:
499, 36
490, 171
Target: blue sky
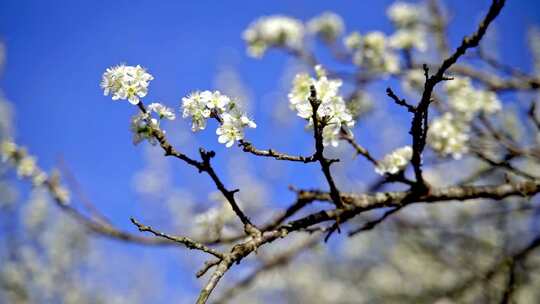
57, 51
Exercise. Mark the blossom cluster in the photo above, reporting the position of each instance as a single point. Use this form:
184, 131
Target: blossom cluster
373, 52
332, 108
206, 104
142, 125
329, 26
410, 32
394, 162
448, 134
287, 32
467, 101
26, 167
131, 83
126, 82
273, 31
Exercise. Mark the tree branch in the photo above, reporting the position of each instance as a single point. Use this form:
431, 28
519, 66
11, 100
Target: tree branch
189, 243
419, 124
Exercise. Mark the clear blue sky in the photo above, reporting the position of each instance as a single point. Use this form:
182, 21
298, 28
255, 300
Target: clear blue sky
57, 51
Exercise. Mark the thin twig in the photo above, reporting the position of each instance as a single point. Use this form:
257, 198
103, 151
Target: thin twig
189, 243
372, 224
248, 147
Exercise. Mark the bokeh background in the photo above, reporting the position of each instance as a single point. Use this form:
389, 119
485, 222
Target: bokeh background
56, 52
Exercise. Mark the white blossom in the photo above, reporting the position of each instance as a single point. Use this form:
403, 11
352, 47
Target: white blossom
353, 41
273, 31
332, 107
162, 111
448, 136
467, 101
26, 166
203, 105
394, 162
300, 91
232, 128
142, 126
375, 43
126, 82
375, 54
39, 178
8, 148
195, 105
216, 101
404, 14
409, 39
328, 26
410, 31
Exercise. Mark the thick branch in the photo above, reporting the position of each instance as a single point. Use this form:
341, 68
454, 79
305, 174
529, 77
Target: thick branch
358, 203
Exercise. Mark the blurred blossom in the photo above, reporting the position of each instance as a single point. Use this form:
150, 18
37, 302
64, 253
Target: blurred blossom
328, 25
448, 136
273, 31
394, 162
375, 54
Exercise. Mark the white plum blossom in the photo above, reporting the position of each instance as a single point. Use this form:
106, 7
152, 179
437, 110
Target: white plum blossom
353, 41
409, 39
300, 91
216, 101
329, 26
126, 82
375, 43
26, 166
162, 111
8, 149
394, 162
448, 136
232, 128
142, 126
195, 105
203, 105
404, 14
332, 107
375, 54
229, 131
273, 31
410, 31
467, 101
